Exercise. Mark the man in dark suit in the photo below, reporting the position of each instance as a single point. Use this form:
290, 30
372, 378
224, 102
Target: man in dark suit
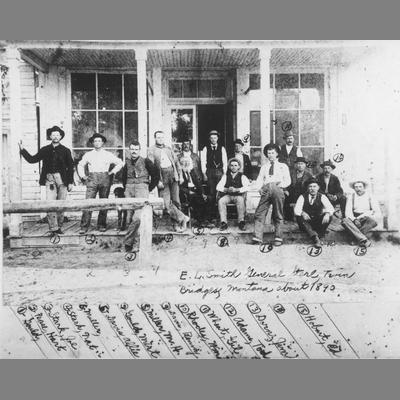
244, 159
329, 185
57, 172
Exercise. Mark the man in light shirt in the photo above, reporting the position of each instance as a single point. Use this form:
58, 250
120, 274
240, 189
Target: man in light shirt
232, 187
98, 162
170, 177
214, 163
273, 178
361, 212
313, 212
289, 152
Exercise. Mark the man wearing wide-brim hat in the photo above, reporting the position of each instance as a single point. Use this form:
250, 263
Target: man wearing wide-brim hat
313, 212
101, 166
57, 172
362, 212
330, 185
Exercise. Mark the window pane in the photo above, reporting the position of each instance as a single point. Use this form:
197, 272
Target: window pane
312, 91
83, 91
314, 155
130, 92
131, 127
181, 124
204, 88
110, 91
255, 156
312, 128
255, 128
175, 88
110, 125
218, 88
189, 88
286, 99
283, 121
286, 81
83, 127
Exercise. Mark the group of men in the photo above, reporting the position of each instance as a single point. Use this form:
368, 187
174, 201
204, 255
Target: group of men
202, 187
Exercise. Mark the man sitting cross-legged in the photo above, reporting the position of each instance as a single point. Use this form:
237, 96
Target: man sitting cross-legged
231, 189
313, 212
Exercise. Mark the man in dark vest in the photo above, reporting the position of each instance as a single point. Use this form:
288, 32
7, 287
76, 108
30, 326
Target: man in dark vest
289, 152
232, 188
330, 185
313, 212
139, 177
243, 158
57, 172
299, 176
213, 165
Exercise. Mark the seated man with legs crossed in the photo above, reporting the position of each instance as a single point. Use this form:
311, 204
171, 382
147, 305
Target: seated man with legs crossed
313, 212
231, 189
361, 213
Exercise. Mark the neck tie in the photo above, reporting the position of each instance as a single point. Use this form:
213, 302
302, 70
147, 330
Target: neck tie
312, 200
271, 169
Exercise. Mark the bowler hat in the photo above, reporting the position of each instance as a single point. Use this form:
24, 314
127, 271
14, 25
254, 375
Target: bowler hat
310, 181
213, 132
271, 146
234, 159
239, 141
97, 135
301, 159
328, 163
55, 128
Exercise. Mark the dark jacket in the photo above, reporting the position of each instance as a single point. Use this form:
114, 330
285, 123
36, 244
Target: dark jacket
247, 169
45, 154
298, 187
153, 171
334, 186
196, 165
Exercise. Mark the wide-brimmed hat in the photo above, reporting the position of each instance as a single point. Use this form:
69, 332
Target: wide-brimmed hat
213, 132
271, 146
97, 135
328, 163
310, 181
287, 134
55, 128
364, 181
234, 159
301, 159
239, 141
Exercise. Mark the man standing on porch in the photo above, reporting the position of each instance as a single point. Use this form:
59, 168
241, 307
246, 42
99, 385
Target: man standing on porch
57, 172
98, 161
170, 177
214, 164
289, 152
273, 178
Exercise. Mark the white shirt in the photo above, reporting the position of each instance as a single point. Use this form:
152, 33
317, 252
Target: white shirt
204, 159
298, 208
281, 175
298, 152
243, 189
164, 160
99, 161
365, 205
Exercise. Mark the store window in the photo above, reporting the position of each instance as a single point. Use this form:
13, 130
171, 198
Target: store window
105, 103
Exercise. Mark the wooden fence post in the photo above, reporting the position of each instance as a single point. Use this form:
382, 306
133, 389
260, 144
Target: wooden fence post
146, 229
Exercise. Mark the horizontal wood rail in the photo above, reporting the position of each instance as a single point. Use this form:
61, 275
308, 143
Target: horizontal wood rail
27, 207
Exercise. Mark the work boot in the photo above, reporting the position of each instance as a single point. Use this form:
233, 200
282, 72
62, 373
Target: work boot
223, 227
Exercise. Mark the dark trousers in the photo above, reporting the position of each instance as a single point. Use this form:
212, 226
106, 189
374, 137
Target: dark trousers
367, 224
341, 201
213, 177
98, 182
313, 227
194, 202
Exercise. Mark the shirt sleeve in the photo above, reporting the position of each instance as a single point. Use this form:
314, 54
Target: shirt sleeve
349, 207
285, 177
81, 166
203, 159
299, 152
154, 173
245, 184
260, 178
224, 160
118, 163
298, 208
328, 208
221, 184
376, 210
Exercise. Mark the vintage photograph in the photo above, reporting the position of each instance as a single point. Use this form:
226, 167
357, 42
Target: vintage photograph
200, 199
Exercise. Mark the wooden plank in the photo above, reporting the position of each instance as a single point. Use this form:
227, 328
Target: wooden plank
23, 207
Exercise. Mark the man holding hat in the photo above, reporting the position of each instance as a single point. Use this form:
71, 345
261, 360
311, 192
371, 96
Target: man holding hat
214, 163
289, 152
245, 164
298, 176
57, 172
362, 211
98, 162
273, 178
329, 185
232, 188
313, 212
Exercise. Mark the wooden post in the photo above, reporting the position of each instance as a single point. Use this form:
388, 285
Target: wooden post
14, 167
146, 230
265, 106
141, 55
